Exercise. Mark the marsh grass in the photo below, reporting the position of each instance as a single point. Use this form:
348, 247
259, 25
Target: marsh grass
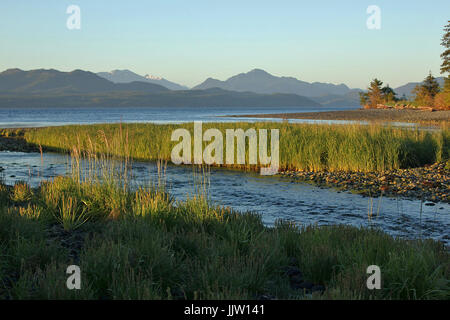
137, 242
309, 147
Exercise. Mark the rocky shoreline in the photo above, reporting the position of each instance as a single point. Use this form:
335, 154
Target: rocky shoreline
395, 115
429, 183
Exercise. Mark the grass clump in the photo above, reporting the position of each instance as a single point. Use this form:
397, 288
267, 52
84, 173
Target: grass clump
21, 192
72, 214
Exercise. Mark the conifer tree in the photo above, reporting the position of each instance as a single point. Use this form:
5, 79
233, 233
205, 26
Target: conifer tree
445, 66
375, 93
426, 92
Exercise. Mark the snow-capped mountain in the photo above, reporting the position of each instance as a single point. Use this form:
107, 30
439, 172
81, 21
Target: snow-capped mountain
126, 76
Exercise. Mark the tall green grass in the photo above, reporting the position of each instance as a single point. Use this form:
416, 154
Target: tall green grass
302, 146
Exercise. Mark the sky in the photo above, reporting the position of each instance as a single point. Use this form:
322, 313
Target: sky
189, 41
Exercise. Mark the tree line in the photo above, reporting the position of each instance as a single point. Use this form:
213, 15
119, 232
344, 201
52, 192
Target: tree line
427, 94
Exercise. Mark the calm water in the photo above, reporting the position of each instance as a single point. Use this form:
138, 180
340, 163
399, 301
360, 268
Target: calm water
272, 197
38, 117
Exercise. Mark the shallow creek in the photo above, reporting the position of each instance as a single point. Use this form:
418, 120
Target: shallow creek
272, 197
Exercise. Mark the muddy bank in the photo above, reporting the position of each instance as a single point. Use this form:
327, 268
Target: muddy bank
17, 144
430, 183
365, 115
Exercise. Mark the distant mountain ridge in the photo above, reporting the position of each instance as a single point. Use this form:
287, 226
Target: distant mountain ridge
350, 99
50, 81
126, 76
249, 87
260, 81
189, 98
52, 88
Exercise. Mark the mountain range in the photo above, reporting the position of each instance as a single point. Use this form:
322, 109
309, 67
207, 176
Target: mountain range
47, 88
255, 86
257, 81
41, 81
260, 81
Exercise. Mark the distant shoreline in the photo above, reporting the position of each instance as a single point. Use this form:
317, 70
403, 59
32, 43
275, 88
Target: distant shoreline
362, 115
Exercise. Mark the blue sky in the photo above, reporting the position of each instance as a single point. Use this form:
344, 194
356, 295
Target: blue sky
188, 41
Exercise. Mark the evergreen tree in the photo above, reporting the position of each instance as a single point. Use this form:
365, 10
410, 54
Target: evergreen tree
375, 94
442, 99
431, 86
447, 85
445, 67
389, 94
427, 91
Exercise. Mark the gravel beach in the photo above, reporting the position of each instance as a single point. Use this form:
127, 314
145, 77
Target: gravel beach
404, 115
430, 183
